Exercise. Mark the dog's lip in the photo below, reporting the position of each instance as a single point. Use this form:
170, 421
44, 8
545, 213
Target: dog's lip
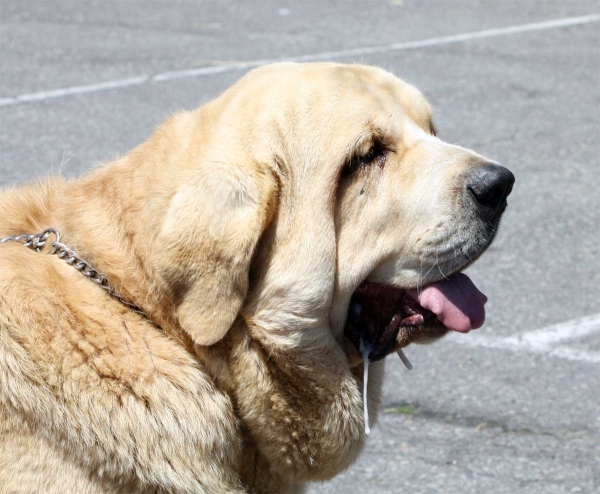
402, 298
377, 312
455, 301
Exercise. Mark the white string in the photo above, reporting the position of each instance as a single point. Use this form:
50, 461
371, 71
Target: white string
365, 384
404, 359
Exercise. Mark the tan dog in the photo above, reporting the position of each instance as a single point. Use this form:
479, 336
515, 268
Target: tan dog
243, 229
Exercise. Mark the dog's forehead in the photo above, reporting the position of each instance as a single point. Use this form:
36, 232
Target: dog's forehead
350, 89
396, 96
383, 100
377, 90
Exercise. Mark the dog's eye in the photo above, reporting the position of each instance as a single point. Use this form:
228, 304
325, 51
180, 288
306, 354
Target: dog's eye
374, 156
433, 129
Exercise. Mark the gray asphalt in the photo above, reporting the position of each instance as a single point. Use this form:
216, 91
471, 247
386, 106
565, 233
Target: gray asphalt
469, 418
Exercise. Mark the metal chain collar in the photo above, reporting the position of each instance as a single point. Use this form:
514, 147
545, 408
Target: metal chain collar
38, 241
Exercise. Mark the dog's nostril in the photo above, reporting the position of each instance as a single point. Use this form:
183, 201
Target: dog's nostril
490, 185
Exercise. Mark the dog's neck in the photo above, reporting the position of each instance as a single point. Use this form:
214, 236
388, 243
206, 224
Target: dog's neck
107, 217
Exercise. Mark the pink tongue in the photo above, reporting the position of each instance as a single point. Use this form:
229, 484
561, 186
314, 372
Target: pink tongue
456, 302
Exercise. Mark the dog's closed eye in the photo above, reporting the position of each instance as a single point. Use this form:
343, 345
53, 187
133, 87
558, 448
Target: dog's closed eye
374, 155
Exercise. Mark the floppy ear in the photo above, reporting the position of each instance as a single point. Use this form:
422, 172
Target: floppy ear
207, 242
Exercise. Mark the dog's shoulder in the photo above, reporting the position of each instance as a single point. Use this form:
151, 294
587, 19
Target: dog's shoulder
83, 371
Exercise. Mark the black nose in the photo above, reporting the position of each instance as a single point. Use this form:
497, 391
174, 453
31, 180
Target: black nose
489, 186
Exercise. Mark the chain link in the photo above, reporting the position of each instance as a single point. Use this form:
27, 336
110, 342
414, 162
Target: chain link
38, 241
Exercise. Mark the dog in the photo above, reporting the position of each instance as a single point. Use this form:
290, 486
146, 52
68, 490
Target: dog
247, 258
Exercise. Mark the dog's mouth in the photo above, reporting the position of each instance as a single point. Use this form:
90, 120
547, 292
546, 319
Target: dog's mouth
382, 317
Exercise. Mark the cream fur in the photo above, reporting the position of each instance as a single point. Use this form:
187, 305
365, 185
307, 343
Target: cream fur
233, 229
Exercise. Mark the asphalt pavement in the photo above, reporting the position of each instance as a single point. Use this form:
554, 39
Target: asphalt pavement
512, 408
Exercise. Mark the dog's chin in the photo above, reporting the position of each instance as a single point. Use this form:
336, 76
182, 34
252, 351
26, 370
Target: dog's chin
423, 334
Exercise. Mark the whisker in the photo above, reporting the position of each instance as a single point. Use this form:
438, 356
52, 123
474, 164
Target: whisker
420, 282
439, 267
425, 276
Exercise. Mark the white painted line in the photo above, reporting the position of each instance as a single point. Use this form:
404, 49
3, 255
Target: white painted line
575, 354
456, 38
330, 55
542, 341
576, 328
213, 69
59, 93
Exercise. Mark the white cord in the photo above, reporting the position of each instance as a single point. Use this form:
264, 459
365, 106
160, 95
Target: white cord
404, 359
365, 404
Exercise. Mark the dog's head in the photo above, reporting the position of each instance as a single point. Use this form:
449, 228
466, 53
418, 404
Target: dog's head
304, 186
